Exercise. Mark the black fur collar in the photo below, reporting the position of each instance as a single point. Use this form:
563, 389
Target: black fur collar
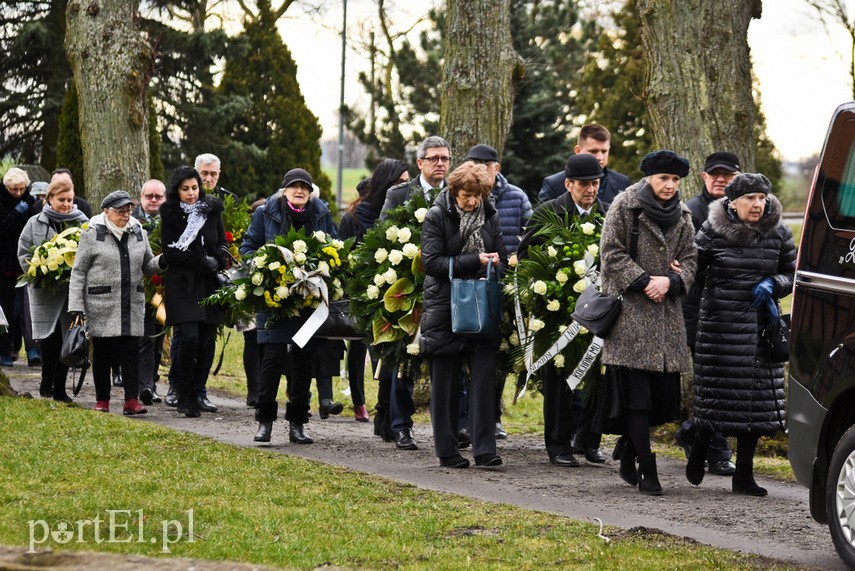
724, 221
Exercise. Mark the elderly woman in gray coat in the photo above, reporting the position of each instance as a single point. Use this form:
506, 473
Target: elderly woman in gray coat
107, 288
48, 307
646, 350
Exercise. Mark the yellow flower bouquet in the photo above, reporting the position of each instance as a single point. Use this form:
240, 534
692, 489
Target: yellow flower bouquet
52, 260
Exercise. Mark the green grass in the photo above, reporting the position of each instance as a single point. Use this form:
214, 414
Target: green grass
61, 463
349, 180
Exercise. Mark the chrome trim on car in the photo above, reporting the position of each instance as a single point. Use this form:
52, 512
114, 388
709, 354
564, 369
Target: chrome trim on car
825, 282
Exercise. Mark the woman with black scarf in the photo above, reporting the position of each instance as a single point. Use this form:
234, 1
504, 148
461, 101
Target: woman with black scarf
193, 239
356, 221
646, 351
49, 306
292, 207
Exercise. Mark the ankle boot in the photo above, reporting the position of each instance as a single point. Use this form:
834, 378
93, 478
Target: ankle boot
627, 469
360, 413
296, 434
648, 479
697, 458
743, 479
264, 430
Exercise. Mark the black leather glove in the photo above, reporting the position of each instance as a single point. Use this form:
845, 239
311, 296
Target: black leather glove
212, 264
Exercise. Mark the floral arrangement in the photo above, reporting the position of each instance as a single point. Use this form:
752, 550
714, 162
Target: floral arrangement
236, 219
288, 276
386, 282
50, 265
563, 262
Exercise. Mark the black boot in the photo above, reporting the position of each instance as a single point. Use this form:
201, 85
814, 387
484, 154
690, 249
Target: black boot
265, 414
648, 479
185, 378
296, 434
698, 457
627, 469
264, 430
743, 479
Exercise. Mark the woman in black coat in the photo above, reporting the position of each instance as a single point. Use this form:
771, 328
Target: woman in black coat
464, 226
193, 240
739, 390
355, 222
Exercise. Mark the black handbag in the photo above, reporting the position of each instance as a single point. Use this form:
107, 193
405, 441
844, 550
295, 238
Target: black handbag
596, 311
75, 351
339, 323
776, 336
476, 304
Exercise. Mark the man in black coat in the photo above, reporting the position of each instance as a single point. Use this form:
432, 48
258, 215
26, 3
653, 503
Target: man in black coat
594, 139
582, 177
433, 158
719, 169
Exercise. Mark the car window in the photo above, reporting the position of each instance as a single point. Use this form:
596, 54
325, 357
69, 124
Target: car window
838, 177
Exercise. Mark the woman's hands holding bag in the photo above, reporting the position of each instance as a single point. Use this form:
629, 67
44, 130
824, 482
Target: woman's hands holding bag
486, 257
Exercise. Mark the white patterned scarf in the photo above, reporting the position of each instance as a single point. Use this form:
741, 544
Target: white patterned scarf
197, 214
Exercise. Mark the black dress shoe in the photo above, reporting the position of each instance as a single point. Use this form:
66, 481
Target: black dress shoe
171, 398
595, 456
264, 430
616, 453
488, 459
155, 398
145, 397
328, 407
189, 412
463, 439
453, 461
296, 434
501, 433
575, 447
117, 380
404, 441
565, 461
205, 405
722, 468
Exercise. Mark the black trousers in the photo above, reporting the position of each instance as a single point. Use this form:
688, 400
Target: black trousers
272, 366
446, 378
54, 373
356, 351
107, 349
150, 350
193, 357
557, 419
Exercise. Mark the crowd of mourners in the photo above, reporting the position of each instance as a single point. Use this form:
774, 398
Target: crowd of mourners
699, 280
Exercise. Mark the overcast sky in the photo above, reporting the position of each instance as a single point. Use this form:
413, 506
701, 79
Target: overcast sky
802, 69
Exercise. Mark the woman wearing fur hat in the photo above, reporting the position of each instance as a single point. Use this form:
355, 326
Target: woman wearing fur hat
750, 256
646, 351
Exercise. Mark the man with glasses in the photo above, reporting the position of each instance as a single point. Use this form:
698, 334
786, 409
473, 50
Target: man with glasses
433, 158
719, 169
152, 195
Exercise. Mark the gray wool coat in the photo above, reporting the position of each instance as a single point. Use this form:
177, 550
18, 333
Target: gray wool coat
647, 336
107, 279
46, 306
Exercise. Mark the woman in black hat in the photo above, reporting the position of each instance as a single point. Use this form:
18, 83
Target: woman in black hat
194, 240
291, 207
739, 389
646, 351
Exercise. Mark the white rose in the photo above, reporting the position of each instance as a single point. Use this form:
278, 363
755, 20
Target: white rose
535, 324
562, 328
320, 236
539, 287
410, 250
420, 214
392, 233
413, 349
580, 267
273, 266
508, 289
282, 292
504, 346
372, 292
338, 244
395, 256
514, 339
260, 260
580, 286
593, 249
257, 278
240, 293
379, 280
381, 255
561, 277
300, 258
559, 361
323, 266
299, 246
587, 228
391, 276
259, 291
582, 330
553, 305
336, 282
404, 235
551, 251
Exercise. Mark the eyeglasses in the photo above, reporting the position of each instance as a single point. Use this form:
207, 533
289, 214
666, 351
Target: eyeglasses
153, 197
122, 210
437, 159
722, 175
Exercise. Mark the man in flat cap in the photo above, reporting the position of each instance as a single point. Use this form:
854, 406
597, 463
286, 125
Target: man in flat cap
582, 176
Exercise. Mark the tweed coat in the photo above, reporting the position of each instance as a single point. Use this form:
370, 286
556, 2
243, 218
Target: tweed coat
107, 279
647, 336
46, 306
737, 389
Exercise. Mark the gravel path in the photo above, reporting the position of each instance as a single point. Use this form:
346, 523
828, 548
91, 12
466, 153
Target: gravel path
778, 526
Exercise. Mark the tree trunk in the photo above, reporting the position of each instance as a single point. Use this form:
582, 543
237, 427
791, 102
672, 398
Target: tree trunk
111, 63
478, 73
698, 94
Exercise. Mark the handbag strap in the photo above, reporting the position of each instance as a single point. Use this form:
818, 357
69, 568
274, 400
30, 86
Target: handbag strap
451, 268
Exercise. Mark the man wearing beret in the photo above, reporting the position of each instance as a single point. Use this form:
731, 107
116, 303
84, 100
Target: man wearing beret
594, 139
582, 176
719, 169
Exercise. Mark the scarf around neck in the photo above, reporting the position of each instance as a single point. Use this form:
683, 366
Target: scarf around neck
197, 214
74, 216
470, 228
665, 215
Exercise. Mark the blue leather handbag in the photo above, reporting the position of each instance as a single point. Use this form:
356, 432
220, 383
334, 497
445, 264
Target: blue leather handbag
476, 304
